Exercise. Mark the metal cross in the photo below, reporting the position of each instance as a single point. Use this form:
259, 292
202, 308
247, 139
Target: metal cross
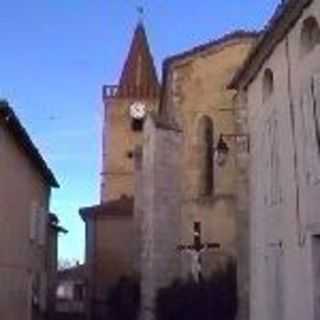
196, 249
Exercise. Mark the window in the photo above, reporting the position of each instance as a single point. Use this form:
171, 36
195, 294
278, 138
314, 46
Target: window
268, 84
137, 124
205, 141
310, 35
38, 224
34, 220
42, 225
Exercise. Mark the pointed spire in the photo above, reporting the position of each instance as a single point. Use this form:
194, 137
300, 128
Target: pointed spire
139, 76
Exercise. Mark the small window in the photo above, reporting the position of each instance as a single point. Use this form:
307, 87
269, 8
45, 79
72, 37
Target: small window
268, 84
137, 124
310, 35
205, 156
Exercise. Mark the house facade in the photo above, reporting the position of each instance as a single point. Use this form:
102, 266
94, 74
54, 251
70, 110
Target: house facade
71, 291
277, 113
25, 190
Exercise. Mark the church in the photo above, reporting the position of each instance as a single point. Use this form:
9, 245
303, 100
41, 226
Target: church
164, 192
112, 246
219, 161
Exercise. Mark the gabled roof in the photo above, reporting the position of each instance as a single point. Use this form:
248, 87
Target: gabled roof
15, 128
139, 71
285, 16
118, 208
216, 43
235, 35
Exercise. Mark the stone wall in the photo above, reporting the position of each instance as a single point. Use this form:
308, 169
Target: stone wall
170, 196
161, 192
118, 140
283, 179
196, 94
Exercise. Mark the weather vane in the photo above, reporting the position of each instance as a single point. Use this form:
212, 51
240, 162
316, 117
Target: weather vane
140, 11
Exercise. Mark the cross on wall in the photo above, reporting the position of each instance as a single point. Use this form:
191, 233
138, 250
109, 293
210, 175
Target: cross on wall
196, 249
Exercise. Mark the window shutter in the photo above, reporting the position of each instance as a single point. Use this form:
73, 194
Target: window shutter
42, 234
30, 283
33, 221
43, 291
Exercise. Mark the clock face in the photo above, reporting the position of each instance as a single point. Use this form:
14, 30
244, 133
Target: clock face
137, 110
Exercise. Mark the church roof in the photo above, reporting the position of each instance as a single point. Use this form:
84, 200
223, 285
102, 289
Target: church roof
139, 72
23, 139
236, 35
285, 16
122, 207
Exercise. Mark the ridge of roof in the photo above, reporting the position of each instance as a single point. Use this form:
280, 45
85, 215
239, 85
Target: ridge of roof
286, 13
15, 127
234, 35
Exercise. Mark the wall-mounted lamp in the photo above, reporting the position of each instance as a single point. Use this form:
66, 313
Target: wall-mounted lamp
222, 148
221, 151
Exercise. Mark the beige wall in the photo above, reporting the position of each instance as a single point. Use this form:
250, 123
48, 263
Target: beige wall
118, 140
197, 88
169, 194
114, 252
159, 194
20, 259
111, 243
284, 206
52, 267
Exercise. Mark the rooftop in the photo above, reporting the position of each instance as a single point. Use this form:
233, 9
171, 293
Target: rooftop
16, 129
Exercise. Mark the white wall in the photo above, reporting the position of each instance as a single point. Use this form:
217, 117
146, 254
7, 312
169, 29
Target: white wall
281, 276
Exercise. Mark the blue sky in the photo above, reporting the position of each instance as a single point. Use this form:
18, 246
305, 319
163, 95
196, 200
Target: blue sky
56, 55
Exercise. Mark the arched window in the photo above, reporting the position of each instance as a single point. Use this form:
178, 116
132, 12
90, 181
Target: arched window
310, 35
268, 84
205, 141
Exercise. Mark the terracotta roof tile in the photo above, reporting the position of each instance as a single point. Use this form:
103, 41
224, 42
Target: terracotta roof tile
139, 72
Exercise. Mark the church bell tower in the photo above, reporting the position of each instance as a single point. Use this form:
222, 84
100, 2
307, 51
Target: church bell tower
125, 108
